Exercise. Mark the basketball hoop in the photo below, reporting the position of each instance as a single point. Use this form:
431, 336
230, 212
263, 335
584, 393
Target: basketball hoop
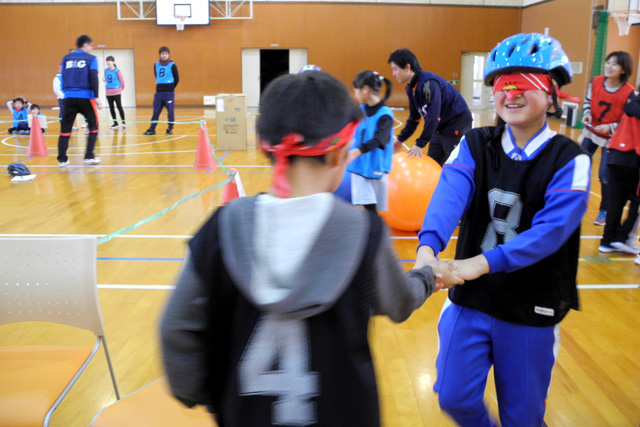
180, 23
623, 19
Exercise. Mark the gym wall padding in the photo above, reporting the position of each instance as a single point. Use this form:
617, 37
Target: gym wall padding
342, 38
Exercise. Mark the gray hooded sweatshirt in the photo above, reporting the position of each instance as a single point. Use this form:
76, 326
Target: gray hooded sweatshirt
291, 259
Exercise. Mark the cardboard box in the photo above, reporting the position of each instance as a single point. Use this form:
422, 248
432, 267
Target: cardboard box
231, 122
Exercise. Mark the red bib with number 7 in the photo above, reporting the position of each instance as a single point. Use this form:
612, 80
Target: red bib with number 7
606, 107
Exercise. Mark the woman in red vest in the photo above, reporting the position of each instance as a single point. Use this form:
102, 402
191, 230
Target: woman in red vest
624, 179
602, 108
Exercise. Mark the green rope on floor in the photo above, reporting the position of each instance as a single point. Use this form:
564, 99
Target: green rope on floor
230, 177
105, 239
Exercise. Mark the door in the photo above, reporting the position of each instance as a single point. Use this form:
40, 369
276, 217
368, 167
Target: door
273, 64
472, 87
125, 62
261, 66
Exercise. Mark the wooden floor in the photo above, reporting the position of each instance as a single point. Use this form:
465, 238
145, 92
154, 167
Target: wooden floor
596, 381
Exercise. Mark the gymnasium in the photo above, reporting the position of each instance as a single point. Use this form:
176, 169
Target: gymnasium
151, 193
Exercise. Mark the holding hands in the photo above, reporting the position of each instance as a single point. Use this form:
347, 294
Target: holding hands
455, 272
446, 275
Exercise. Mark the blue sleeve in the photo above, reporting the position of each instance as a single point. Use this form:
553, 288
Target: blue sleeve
565, 202
451, 199
433, 95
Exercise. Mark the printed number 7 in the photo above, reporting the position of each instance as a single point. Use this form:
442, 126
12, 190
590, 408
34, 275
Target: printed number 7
283, 342
605, 111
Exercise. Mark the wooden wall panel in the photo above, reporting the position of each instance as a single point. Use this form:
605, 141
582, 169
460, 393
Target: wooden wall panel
342, 38
629, 43
569, 21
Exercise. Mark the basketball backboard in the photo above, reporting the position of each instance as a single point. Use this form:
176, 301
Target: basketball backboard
194, 12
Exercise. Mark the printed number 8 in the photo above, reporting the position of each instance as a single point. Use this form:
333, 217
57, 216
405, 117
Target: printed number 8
161, 74
504, 226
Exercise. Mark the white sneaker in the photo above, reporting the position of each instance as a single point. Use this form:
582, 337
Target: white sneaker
63, 164
74, 128
124, 126
85, 125
637, 261
113, 127
606, 249
623, 247
93, 161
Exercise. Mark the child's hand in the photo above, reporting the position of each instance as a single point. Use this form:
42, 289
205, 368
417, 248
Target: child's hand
353, 154
602, 128
446, 275
586, 119
472, 268
425, 256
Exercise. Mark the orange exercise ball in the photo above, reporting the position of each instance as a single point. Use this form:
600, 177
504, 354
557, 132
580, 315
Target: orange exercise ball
411, 185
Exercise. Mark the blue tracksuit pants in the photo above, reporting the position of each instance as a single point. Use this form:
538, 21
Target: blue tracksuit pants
522, 357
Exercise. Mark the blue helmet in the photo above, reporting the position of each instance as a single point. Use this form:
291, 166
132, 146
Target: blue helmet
18, 169
533, 53
309, 67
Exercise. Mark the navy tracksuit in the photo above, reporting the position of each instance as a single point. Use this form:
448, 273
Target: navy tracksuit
167, 79
446, 115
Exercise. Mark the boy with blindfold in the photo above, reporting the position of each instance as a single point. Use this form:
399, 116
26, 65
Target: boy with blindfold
521, 191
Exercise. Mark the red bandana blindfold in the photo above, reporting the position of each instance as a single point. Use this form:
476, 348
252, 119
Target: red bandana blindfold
518, 83
292, 145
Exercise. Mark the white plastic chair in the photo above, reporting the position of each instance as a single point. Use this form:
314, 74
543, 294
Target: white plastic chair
152, 405
50, 280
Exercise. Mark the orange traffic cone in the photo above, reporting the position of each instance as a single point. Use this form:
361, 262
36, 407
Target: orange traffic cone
204, 156
37, 146
234, 189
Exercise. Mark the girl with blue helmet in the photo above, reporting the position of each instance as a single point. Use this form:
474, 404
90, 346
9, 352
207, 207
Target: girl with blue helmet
521, 190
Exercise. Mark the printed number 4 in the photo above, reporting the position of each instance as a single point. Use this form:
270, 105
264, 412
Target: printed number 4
505, 225
285, 343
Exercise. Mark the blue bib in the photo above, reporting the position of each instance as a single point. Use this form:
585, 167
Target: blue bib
113, 82
19, 115
164, 73
375, 163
